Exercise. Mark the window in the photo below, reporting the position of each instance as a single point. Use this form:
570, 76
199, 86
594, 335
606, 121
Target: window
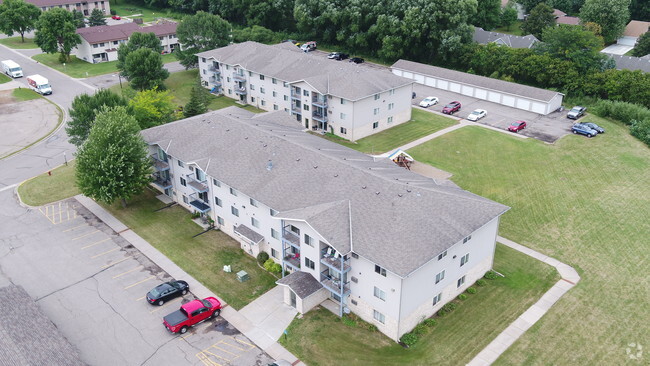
218, 201
381, 271
115, 42
275, 107
375, 124
250, 73
391, 106
252, 87
261, 77
95, 45
233, 191
253, 203
440, 276
342, 101
180, 164
375, 111
436, 299
344, 130
286, 109
234, 211
305, 92
464, 259
252, 99
274, 253
380, 294
306, 107
220, 220
309, 241
342, 115
185, 199
275, 234
355, 256
255, 222
262, 90
309, 263
203, 59
467, 239
216, 183
442, 255
228, 78
273, 212
285, 84
274, 81
354, 302
376, 96
286, 98
275, 94
460, 282
229, 91
263, 102
391, 92
390, 119
379, 316
183, 182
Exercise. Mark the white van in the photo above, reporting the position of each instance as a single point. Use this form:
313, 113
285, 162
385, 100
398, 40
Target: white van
39, 84
12, 69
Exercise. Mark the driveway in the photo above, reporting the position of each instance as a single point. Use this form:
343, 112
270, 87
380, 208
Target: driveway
91, 283
617, 49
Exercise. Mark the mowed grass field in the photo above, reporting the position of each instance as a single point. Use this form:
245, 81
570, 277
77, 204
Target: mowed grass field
583, 201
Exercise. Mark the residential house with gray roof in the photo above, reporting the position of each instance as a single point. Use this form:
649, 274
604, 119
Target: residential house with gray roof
356, 233
632, 63
348, 100
83, 6
482, 36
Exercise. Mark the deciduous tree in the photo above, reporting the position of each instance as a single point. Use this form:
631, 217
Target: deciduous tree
78, 18
137, 41
198, 33
84, 110
611, 15
488, 14
96, 18
56, 31
574, 44
145, 70
642, 46
152, 107
540, 18
508, 16
113, 164
18, 16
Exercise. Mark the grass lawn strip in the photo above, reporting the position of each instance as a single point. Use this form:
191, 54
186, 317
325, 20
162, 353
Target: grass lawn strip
4, 78
17, 43
77, 68
24, 94
583, 201
453, 341
44, 189
148, 14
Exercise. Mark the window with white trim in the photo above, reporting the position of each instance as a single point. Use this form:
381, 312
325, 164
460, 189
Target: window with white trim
216, 183
460, 282
309, 263
218, 201
275, 234
234, 210
375, 125
220, 220
467, 239
342, 115
440, 276
274, 253
391, 106
380, 294
381, 271
442, 255
379, 316
183, 182
390, 119
344, 130
253, 203
376, 96
464, 259
375, 111
233, 191
437, 298
255, 222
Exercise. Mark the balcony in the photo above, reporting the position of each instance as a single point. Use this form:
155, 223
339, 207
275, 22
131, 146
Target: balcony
200, 205
241, 90
239, 78
319, 101
291, 238
338, 263
163, 183
296, 109
215, 70
333, 284
159, 164
197, 185
214, 80
293, 261
321, 117
295, 95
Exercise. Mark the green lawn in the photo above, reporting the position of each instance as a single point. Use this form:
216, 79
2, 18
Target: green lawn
77, 68
171, 230
321, 338
45, 189
514, 29
16, 42
148, 14
422, 123
4, 79
23, 94
583, 201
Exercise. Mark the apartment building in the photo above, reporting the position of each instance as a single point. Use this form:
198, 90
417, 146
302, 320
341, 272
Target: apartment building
353, 231
85, 7
100, 44
348, 100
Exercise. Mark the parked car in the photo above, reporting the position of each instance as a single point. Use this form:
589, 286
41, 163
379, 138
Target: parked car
191, 314
583, 129
517, 126
451, 108
477, 114
338, 56
308, 46
576, 112
357, 60
594, 126
167, 291
116, 17
428, 102
280, 363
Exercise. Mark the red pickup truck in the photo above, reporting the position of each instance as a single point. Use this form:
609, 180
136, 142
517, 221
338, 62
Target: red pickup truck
191, 314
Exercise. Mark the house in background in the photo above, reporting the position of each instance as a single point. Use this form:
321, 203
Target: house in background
521, 14
632, 63
349, 100
482, 36
99, 44
562, 18
85, 7
354, 233
633, 31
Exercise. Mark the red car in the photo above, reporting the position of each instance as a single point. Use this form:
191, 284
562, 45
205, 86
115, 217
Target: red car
191, 314
517, 126
116, 17
451, 108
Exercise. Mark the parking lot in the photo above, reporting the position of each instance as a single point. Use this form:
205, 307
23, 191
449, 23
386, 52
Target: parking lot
91, 283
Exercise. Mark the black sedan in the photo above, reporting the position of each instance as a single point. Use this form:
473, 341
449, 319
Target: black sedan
167, 291
594, 126
356, 60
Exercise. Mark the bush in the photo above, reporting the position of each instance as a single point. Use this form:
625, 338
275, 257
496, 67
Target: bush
349, 322
621, 111
262, 258
481, 283
113, 12
268, 265
462, 297
409, 339
442, 312
641, 130
490, 275
430, 322
420, 329
277, 268
471, 290
450, 306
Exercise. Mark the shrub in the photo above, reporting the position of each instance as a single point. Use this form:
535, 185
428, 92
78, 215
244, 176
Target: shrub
409, 339
443, 312
196, 215
420, 329
481, 283
262, 258
462, 297
430, 322
471, 290
622, 111
450, 306
268, 265
113, 12
490, 275
277, 268
641, 130
372, 327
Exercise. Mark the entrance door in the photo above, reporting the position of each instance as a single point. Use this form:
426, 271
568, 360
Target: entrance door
293, 299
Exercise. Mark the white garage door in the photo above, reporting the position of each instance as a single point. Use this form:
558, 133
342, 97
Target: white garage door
443, 84
454, 87
538, 108
508, 100
627, 41
467, 90
430, 82
480, 93
494, 97
419, 78
523, 104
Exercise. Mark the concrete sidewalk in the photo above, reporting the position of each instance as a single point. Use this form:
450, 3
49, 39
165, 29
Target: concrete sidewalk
252, 329
526, 320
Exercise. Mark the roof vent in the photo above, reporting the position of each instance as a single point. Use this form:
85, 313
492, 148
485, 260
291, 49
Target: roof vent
264, 145
315, 166
363, 187
298, 159
418, 194
227, 129
269, 165
377, 193
246, 138
336, 175
408, 190
399, 195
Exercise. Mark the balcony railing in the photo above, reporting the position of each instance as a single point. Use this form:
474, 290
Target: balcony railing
321, 117
159, 164
338, 263
200, 205
241, 90
295, 95
296, 109
293, 261
215, 70
162, 182
240, 78
334, 284
319, 101
215, 80
291, 237
197, 185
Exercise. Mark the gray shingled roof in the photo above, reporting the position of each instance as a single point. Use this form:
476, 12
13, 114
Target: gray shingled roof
286, 62
332, 219
484, 37
249, 233
302, 283
632, 63
476, 80
27, 336
392, 210
105, 33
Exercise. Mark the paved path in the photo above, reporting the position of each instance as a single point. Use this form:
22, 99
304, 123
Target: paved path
526, 320
257, 329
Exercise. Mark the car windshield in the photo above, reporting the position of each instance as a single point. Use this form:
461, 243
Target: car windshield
516, 124
575, 110
160, 289
428, 99
476, 112
206, 303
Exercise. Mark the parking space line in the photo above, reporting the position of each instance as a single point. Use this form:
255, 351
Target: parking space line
129, 271
85, 235
216, 355
95, 243
246, 343
206, 360
76, 227
140, 298
137, 283
106, 252
47, 216
110, 264
233, 346
221, 349
167, 303
197, 329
